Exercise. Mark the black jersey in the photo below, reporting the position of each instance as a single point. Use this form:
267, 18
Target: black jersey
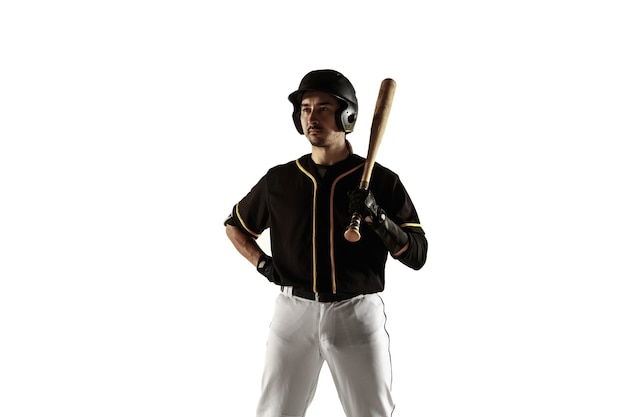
305, 207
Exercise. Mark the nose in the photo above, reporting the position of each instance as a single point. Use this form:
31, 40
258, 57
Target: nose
312, 115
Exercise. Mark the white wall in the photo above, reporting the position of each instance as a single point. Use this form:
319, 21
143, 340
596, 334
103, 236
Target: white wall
129, 129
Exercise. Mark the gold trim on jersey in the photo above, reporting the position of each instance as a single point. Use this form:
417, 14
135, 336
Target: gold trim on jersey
243, 223
410, 225
332, 226
313, 237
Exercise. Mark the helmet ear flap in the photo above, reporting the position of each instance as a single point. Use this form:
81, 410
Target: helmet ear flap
297, 122
340, 114
348, 119
296, 99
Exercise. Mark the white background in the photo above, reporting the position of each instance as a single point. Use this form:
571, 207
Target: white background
130, 128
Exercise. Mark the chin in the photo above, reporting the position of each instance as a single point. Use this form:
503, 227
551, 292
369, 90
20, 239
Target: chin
320, 143
317, 141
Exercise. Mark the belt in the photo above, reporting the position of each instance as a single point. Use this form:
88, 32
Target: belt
324, 297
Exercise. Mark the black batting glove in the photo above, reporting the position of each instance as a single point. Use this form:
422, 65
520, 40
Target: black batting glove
265, 266
363, 202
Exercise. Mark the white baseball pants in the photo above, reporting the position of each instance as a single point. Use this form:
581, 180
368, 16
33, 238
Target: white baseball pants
350, 336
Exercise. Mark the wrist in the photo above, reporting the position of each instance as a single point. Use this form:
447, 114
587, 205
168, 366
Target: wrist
262, 262
394, 238
377, 218
265, 267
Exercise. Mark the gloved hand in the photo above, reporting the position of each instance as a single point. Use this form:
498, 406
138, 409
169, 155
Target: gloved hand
265, 266
364, 203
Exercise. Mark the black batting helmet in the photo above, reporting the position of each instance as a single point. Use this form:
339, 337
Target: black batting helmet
334, 83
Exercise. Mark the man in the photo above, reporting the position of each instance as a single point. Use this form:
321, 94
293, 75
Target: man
329, 308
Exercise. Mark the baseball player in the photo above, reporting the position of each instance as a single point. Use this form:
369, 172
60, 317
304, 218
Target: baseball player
329, 308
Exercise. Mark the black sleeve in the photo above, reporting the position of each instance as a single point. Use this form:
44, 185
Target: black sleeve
251, 213
230, 221
415, 256
402, 211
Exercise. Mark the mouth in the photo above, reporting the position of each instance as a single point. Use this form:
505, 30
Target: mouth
314, 129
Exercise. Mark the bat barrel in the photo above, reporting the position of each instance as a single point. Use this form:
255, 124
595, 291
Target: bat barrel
379, 123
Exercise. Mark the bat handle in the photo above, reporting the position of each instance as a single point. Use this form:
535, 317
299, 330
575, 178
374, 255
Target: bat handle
352, 233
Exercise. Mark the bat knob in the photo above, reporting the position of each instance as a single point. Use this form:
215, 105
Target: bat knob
352, 233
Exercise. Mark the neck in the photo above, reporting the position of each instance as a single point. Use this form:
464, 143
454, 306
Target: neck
330, 155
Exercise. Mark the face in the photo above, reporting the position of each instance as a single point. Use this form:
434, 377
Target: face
317, 115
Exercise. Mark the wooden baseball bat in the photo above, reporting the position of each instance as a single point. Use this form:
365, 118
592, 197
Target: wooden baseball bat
379, 123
